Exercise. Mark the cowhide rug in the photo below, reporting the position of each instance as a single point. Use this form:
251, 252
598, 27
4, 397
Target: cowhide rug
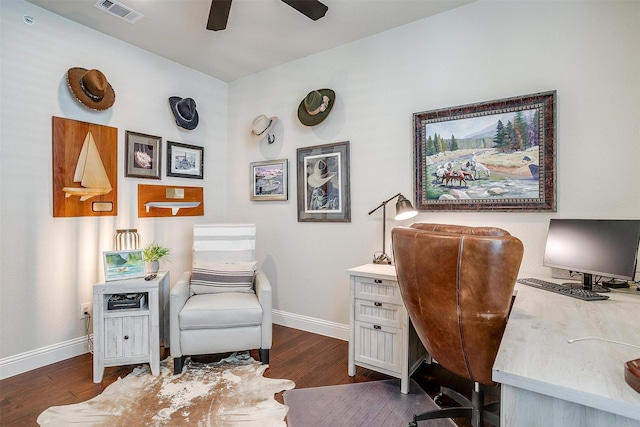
231, 392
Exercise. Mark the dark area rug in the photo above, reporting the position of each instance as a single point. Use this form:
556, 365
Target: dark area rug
371, 404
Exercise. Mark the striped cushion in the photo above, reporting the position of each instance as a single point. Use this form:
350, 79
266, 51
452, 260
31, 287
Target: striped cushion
224, 242
215, 277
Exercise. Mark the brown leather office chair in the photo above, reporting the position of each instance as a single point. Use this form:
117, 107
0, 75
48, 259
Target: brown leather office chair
457, 284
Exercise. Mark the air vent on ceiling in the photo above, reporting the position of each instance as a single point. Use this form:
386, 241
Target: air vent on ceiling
119, 10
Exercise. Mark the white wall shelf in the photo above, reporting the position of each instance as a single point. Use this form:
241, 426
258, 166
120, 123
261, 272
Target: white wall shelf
174, 206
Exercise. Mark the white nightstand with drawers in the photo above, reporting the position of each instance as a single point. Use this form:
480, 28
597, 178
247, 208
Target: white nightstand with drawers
125, 336
381, 336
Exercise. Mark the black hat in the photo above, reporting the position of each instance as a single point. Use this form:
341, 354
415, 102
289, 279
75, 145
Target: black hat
184, 110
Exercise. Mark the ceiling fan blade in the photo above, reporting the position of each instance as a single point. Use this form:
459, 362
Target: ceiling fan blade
313, 9
218, 15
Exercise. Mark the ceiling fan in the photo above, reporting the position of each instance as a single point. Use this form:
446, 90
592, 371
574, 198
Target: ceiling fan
219, 13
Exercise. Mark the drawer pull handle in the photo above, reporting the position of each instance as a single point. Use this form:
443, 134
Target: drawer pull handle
377, 304
126, 337
377, 327
377, 281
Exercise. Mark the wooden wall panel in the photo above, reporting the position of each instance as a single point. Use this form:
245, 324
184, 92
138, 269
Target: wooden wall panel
158, 193
68, 137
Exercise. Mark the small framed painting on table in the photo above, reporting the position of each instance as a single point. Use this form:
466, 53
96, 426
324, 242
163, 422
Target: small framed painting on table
120, 265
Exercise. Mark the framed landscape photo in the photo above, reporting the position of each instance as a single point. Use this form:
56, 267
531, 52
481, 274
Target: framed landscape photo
185, 161
269, 180
495, 156
142, 155
120, 265
323, 183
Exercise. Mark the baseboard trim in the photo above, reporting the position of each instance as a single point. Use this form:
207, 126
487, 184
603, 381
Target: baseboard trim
34, 359
311, 324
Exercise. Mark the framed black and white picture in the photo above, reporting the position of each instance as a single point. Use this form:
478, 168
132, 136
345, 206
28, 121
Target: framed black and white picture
185, 161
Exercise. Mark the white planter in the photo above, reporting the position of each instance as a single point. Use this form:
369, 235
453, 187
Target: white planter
151, 266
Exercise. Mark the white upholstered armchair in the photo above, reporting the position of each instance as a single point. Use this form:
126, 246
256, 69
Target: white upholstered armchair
224, 303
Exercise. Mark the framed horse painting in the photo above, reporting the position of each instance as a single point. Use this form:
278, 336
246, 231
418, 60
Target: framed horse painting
496, 155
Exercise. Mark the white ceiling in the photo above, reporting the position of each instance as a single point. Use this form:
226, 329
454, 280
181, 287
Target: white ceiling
260, 34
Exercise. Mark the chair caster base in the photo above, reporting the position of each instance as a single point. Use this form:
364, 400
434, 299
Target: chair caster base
473, 409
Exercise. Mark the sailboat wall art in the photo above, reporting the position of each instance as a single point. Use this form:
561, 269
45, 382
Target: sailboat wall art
84, 169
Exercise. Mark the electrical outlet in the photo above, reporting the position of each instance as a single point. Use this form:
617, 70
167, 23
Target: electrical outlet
85, 309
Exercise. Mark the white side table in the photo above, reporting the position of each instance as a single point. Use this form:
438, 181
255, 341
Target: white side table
132, 335
381, 336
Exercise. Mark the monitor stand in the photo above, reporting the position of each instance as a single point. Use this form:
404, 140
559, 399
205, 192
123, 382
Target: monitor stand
617, 284
587, 284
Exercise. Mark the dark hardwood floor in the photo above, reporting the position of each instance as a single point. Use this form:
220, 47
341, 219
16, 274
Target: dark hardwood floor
308, 359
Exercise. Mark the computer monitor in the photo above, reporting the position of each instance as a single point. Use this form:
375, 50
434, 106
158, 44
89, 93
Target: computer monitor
603, 247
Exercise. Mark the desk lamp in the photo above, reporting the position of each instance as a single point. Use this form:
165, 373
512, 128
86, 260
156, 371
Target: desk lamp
404, 210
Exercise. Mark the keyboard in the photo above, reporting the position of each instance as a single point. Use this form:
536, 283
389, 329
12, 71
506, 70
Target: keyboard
579, 293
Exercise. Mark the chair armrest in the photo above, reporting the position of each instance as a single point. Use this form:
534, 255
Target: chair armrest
264, 294
177, 299
262, 285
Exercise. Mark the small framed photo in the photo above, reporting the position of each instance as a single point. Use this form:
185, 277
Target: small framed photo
269, 180
142, 155
120, 265
185, 161
323, 183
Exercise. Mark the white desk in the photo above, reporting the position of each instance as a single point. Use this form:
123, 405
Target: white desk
547, 381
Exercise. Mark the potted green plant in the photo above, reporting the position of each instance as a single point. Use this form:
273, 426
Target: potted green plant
152, 254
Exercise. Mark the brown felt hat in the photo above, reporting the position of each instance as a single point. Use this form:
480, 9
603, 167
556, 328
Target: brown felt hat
314, 108
91, 88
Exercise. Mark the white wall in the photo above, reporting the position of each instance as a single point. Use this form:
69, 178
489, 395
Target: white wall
48, 265
587, 51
